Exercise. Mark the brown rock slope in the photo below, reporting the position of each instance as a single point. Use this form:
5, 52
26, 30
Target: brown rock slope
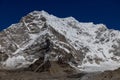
107, 75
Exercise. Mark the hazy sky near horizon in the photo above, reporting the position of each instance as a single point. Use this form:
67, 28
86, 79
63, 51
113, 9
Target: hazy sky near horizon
97, 11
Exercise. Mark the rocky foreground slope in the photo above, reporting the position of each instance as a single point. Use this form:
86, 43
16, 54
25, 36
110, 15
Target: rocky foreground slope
42, 42
29, 75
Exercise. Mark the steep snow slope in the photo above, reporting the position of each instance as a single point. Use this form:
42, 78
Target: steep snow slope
84, 46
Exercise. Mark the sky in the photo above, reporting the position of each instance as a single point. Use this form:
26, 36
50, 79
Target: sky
96, 11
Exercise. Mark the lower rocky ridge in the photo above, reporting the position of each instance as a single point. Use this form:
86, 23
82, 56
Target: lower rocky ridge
54, 68
57, 73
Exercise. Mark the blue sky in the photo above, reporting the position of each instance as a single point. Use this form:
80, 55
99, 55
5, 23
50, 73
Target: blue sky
97, 11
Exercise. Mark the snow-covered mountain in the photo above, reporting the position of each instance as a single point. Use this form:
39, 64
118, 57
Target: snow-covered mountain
84, 46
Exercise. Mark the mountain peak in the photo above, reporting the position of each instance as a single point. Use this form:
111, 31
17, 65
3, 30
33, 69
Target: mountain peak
83, 46
39, 13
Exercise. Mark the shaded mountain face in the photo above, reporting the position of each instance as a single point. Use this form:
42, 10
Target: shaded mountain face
42, 37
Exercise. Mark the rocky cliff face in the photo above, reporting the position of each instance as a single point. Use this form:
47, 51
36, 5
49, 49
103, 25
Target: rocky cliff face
42, 37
